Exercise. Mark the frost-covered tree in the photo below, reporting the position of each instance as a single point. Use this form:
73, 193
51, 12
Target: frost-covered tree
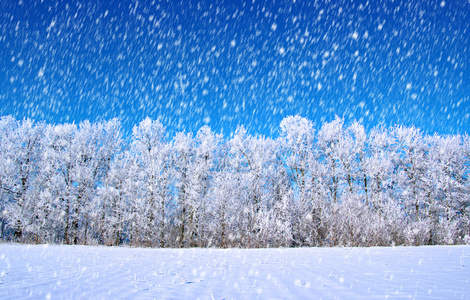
75, 161
57, 166
297, 140
412, 161
342, 186
7, 127
253, 161
207, 146
114, 200
297, 145
94, 147
448, 200
21, 143
379, 168
186, 207
224, 201
152, 159
331, 150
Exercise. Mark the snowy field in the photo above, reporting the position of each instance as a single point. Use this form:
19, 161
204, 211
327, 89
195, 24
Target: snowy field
81, 272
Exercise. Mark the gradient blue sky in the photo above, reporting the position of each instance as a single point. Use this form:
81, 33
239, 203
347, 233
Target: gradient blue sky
225, 63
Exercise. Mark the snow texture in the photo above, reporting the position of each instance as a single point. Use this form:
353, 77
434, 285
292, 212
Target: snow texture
81, 272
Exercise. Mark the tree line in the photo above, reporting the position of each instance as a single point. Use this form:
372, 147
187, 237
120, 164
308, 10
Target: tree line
336, 186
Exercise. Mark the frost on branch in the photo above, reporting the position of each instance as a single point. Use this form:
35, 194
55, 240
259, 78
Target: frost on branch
339, 185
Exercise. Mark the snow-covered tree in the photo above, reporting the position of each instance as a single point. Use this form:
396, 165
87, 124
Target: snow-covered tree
447, 177
152, 159
202, 170
331, 150
343, 186
57, 166
186, 208
253, 161
20, 161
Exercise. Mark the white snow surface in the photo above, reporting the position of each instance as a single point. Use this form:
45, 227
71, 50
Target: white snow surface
85, 272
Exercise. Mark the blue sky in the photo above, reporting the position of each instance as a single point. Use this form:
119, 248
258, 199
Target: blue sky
227, 63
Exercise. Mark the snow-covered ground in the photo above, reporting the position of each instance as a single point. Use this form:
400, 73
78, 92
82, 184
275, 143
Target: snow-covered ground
81, 272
